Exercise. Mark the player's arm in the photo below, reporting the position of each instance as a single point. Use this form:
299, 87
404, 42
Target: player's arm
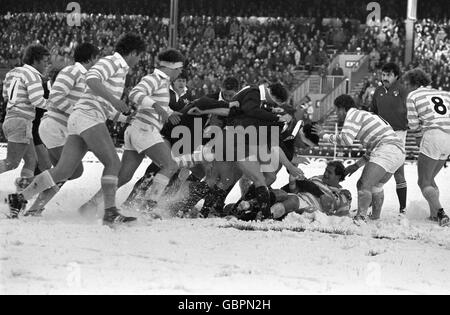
308, 186
99, 73
206, 105
413, 115
35, 91
64, 83
251, 106
276, 151
349, 170
348, 133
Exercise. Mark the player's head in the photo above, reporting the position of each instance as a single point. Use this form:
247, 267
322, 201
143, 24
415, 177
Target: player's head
86, 54
390, 72
343, 104
334, 173
37, 56
130, 46
278, 93
171, 62
229, 88
180, 82
415, 78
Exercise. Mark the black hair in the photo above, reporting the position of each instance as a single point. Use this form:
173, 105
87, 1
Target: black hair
309, 134
34, 53
344, 101
128, 43
183, 75
171, 55
339, 169
279, 91
417, 77
230, 84
391, 67
85, 52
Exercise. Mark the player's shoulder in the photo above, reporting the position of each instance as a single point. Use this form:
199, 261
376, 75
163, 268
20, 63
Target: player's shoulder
379, 90
421, 92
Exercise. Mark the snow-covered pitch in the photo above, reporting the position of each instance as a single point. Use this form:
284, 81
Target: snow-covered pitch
63, 253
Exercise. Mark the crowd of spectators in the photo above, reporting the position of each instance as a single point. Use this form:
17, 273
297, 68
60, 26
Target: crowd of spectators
431, 53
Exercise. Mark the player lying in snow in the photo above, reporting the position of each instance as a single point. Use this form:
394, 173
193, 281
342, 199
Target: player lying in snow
320, 193
323, 193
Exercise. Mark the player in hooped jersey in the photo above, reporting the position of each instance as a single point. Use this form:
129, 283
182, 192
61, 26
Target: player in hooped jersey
385, 151
87, 130
143, 137
319, 193
68, 87
24, 92
429, 115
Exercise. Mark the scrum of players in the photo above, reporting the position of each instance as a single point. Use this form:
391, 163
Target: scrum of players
200, 149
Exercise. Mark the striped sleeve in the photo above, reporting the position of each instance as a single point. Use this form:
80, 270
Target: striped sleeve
65, 81
141, 93
35, 91
413, 115
102, 70
349, 131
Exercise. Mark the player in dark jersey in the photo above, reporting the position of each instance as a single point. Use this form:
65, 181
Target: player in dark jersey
229, 88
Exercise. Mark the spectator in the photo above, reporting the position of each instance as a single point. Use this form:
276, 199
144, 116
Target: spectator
337, 70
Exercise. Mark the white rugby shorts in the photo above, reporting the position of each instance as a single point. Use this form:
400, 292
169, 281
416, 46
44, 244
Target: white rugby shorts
435, 144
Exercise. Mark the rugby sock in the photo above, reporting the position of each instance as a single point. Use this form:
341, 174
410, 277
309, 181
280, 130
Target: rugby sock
27, 173
40, 183
401, 194
109, 188
377, 204
431, 194
160, 182
364, 200
44, 197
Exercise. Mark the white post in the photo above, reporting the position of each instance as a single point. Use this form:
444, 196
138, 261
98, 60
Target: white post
335, 145
173, 26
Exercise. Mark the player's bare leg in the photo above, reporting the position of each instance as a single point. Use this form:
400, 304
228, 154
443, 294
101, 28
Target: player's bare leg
129, 164
372, 175
428, 168
160, 154
15, 153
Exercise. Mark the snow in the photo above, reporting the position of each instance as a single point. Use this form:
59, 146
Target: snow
62, 253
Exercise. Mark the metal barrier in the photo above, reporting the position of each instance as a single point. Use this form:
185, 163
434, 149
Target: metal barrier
326, 106
316, 84
300, 92
359, 73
